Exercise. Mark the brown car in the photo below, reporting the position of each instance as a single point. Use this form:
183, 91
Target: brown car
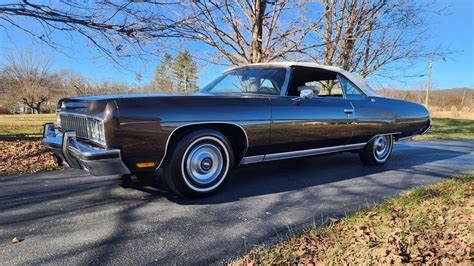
251, 114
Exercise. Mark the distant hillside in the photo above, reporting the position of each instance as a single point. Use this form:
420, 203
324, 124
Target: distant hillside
447, 99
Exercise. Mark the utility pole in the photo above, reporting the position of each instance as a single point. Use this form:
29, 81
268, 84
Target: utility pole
428, 87
463, 96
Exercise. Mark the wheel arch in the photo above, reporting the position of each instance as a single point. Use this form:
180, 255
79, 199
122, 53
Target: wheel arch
234, 132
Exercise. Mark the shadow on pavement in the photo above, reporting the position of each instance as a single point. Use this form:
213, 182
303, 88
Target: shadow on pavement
300, 173
130, 226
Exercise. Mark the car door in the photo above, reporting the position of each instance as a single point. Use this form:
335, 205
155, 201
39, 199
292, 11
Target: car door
322, 121
371, 116
310, 123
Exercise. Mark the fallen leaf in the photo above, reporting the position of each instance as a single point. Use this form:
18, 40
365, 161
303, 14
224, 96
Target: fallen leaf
16, 240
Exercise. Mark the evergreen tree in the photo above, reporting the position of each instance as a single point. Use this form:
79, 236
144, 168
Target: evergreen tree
163, 77
185, 72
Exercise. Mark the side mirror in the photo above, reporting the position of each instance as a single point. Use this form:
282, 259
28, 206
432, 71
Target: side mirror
307, 94
304, 94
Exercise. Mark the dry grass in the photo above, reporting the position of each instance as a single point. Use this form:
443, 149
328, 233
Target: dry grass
454, 114
23, 127
430, 225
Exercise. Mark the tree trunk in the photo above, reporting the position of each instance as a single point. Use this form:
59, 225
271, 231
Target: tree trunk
328, 47
37, 108
257, 29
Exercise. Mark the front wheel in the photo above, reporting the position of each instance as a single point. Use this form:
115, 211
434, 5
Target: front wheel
377, 151
199, 164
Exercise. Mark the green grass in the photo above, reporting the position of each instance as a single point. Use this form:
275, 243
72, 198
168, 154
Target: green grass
449, 128
23, 127
403, 229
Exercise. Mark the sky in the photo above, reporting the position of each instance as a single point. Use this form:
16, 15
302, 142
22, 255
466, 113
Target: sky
454, 31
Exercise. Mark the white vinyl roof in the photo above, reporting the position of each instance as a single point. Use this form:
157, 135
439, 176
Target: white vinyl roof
357, 79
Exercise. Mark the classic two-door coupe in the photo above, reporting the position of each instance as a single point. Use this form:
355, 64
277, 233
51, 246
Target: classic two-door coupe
251, 114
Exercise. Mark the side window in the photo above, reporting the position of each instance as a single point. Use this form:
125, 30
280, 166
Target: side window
328, 88
267, 86
324, 83
352, 91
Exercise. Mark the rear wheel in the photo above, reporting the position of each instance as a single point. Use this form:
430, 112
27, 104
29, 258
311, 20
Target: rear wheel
377, 151
199, 163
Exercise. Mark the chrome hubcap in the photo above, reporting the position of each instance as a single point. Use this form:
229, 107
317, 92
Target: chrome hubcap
204, 163
382, 146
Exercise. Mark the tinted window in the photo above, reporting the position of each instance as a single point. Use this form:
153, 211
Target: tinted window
249, 80
351, 90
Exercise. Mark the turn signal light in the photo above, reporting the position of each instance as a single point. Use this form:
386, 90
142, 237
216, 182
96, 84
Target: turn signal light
147, 164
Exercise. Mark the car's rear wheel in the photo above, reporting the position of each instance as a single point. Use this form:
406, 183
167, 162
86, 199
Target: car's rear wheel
199, 163
377, 151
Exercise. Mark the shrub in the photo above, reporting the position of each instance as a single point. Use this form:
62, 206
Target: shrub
4, 110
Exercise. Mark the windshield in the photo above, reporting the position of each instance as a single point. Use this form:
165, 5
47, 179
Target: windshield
249, 80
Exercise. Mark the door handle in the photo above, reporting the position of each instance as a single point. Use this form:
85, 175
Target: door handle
296, 100
348, 111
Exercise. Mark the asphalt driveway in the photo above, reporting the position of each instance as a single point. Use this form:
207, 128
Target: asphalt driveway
70, 217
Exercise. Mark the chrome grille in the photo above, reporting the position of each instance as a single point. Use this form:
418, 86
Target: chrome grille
85, 127
74, 123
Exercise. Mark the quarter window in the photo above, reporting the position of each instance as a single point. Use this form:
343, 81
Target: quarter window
327, 88
351, 91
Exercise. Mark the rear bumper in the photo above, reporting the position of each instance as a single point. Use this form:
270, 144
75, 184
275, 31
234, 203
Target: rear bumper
76, 154
427, 128
416, 133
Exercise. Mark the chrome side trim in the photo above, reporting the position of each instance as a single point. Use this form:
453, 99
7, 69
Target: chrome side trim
310, 152
202, 123
138, 123
302, 153
252, 159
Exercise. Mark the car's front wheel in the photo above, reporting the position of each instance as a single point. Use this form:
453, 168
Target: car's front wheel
377, 151
199, 163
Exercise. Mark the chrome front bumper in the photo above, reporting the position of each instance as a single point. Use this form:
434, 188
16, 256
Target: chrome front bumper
68, 150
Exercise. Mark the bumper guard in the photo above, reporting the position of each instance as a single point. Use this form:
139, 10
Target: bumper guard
68, 150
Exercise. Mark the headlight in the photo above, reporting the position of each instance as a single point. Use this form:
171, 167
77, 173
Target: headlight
95, 129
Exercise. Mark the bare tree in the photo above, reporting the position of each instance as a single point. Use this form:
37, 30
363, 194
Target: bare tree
31, 79
241, 31
357, 35
247, 31
73, 83
366, 35
114, 27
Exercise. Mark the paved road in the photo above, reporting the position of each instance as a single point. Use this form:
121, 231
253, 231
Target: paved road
69, 217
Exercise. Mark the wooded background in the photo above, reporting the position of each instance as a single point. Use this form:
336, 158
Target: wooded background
365, 36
